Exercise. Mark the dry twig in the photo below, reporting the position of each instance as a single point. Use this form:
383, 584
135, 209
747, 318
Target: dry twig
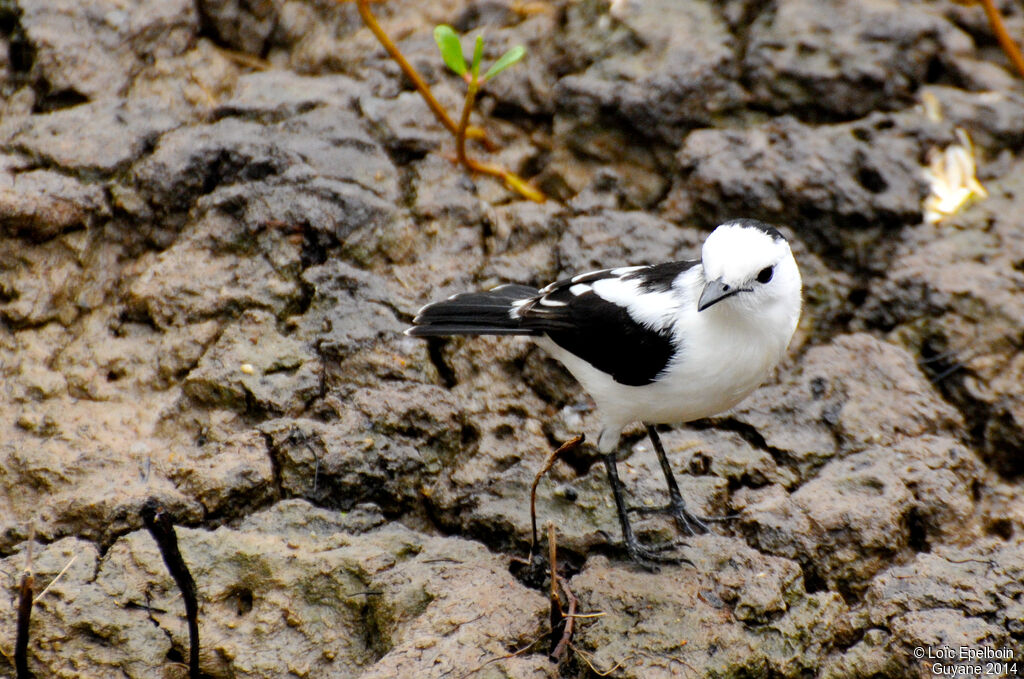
1003, 36
995, 20
545, 468
24, 617
563, 622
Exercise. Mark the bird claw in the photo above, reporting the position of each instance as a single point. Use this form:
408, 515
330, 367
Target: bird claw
685, 520
652, 558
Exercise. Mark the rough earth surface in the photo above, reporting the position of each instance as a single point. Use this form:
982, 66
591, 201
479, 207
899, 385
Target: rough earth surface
216, 218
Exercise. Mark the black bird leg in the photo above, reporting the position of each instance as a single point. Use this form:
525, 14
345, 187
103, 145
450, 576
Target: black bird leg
641, 555
691, 523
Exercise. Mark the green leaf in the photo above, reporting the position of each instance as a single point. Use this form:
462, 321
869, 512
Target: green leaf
451, 49
506, 60
478, 55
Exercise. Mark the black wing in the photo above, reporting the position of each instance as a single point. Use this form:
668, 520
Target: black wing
475, 313
603, 333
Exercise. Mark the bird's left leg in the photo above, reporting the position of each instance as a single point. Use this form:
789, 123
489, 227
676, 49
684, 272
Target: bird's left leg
643, 556
691, 523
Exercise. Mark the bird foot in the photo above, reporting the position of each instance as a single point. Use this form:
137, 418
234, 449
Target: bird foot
652, 558
687, 522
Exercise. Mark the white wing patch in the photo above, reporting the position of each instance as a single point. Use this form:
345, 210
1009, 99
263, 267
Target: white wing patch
654, 309
581, 289
517, 307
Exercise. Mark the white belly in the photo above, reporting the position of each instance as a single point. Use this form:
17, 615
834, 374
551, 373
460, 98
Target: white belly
720, 364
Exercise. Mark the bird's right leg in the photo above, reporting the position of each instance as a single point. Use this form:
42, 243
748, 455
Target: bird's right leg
643, 556
691, 523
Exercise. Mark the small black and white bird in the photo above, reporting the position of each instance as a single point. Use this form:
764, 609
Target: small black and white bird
659, 344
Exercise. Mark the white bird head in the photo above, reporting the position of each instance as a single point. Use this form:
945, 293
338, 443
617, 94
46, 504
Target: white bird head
748, 265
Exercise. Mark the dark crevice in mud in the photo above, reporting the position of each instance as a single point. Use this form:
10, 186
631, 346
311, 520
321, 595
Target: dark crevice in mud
14, 538
21, 57
137, 315
275, 465
747, 432
938, 72
107, 540
238, 505
813, 581
317, 247
513, 114
272, 117
244, 599
37, 161
847, 639
406, 181
403, 157
486, 234
991, 430
228, 168
740, 26
564, 61
917, 532
746, 480
535, 572
872, 180
208, 30
1001, 528
808, 115
852, 593
21, 54
375, 639
741, 23
55, 101
534, 165
435, 349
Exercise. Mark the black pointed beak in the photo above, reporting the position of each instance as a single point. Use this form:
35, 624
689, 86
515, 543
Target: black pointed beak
715, 291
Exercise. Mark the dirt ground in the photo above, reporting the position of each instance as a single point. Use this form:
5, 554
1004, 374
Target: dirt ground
216, 218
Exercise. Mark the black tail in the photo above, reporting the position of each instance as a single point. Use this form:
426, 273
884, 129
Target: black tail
474, 313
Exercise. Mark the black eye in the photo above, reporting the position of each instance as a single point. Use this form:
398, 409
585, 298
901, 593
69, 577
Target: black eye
765, 274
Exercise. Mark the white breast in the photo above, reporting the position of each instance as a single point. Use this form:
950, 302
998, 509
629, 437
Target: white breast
725, 356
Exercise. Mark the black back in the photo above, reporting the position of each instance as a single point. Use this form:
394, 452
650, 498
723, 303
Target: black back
603, 333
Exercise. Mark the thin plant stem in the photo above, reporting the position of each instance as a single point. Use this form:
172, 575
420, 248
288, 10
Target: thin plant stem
460, 135
999, 28
545, 468
417, 80
462, 130
24, 617
55, 579
570, 621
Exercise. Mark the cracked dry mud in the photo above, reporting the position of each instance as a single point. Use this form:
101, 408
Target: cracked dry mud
206, 265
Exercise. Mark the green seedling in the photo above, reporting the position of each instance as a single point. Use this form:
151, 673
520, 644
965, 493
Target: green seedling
451, 51
450, 46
